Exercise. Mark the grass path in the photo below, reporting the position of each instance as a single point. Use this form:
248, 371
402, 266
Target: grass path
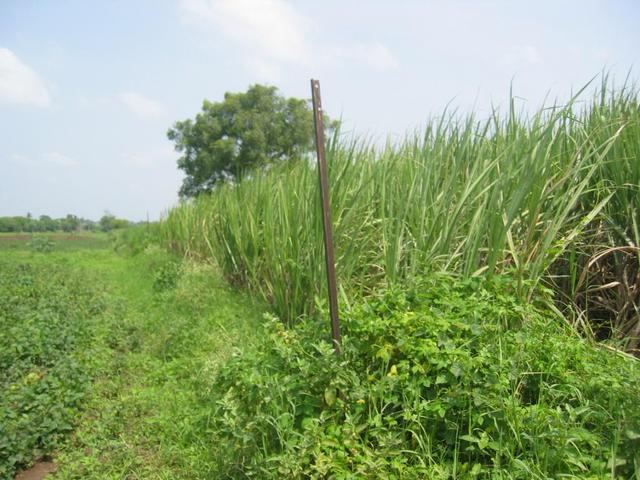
147, 413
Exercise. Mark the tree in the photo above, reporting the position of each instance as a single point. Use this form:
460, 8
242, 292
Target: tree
70, 223
46, 224
246, 130
109, 222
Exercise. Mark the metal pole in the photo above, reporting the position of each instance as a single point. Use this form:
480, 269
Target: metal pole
326, 215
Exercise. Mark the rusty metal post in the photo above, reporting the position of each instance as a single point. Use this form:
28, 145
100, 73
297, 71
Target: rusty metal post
326, 215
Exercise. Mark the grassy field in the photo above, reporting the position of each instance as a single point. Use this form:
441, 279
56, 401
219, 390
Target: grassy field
53, 241
118, 350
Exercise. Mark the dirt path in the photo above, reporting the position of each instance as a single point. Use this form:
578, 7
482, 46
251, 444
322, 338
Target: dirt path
38, 471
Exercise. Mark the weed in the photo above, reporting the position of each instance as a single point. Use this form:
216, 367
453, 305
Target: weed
41, 244
448, 379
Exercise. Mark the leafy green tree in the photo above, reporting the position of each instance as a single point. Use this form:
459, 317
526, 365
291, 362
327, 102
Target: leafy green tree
46, 224
109, 222
246, 130
70, 223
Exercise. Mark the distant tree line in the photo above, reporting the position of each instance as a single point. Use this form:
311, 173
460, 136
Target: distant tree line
70, 223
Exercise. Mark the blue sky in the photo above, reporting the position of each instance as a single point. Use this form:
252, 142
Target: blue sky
89, 89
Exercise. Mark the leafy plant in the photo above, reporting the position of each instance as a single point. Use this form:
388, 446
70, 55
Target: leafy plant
41, 244
535, 195
166, 276
246, 130
48, 316
447, 379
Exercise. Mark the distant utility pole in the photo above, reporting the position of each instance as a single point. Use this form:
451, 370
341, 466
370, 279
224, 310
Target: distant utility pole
326, 216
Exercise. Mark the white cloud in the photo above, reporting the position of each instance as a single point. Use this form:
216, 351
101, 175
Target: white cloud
19, 83
274, 33
271, 27
519, 55
141, 105
60, 160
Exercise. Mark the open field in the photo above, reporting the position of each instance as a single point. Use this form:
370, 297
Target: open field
106, 359
53, 241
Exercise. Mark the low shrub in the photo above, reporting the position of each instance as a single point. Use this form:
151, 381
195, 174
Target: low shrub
135, 239
446, 379
41, 244
166, 275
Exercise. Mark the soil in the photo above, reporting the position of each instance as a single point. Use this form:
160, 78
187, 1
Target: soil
15, 237
37, 472
53, 236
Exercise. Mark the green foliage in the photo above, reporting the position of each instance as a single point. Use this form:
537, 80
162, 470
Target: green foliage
136, 238
167, 275
143, 416
54, 242
70, 223
538, 195
41, 244
448, 379
109, 222
48, 317
246, 130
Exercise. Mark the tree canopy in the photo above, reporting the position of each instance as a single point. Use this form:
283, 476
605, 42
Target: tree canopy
246, 130
109, 222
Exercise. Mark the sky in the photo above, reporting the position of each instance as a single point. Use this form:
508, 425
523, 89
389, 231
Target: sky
89, 89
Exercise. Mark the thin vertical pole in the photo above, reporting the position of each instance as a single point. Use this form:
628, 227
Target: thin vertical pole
326, 215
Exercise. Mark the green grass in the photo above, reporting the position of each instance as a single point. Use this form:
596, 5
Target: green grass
144, 418
538, 196
116, 349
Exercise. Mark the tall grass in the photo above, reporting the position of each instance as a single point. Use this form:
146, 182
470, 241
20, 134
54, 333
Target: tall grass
539, 195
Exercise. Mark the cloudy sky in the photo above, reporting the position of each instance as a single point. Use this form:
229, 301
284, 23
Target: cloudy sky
89, 89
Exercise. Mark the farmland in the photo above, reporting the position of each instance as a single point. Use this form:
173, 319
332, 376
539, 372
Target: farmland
117, 350
489, 287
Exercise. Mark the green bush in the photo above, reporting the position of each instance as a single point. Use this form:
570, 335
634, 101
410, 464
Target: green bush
135, 239
41, 244
166, 276
448, 379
